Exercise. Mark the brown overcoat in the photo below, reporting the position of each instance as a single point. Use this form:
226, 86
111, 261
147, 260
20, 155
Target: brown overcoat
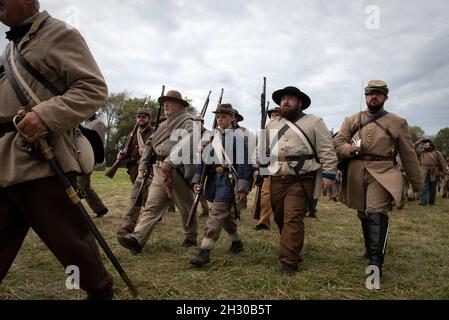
376, 141
62, 56
432, 163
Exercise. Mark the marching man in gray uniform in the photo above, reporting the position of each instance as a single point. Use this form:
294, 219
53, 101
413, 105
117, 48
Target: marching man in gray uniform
169, 180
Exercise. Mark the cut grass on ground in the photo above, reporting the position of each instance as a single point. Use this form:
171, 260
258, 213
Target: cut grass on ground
416, 265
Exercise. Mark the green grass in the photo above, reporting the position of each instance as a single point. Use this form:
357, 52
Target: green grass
416, 265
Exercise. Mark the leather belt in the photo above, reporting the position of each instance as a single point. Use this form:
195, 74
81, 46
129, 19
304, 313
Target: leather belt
373, 157
300, 158
294, 177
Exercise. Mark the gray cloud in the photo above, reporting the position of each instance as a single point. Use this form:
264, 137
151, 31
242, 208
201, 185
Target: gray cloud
323, 47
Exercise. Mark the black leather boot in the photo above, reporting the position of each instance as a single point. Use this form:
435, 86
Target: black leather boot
365, 237
377, 227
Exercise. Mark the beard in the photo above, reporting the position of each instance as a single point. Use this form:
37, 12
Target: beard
289, 114
143, 125
375, 107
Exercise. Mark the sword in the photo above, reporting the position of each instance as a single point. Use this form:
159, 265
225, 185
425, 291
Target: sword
47, 153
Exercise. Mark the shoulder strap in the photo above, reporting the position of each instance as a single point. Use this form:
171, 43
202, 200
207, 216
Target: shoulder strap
309, 142
36, 74
362, 124
284, 130
12, 79
387, 131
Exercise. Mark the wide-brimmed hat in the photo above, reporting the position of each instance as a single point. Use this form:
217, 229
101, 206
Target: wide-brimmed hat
225, 108
238, 116
143, 112
292, 91
377, 86
173, 95
269, 112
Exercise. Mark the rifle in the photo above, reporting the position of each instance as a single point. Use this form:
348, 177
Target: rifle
126, 150
263, 121
196, 201
47, 153
206, 105
150, 154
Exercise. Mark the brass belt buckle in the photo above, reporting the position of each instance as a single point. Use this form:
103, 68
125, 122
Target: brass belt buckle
219, 170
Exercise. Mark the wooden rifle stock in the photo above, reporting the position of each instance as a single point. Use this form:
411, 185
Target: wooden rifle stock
113, 170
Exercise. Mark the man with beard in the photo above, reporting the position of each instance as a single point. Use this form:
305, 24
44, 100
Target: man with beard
369, 142
144, 131
302, 157
433, 166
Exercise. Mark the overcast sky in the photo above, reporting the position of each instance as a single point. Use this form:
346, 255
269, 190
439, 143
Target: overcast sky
326, 48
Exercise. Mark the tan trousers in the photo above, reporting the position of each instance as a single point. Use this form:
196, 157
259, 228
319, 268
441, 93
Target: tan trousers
377, 198
220, 217
157, 204
289, 203
265, 203
92, 198
132, 215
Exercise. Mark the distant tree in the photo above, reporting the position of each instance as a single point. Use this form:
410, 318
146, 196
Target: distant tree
119, 115
441, 141
110, 114
416, 133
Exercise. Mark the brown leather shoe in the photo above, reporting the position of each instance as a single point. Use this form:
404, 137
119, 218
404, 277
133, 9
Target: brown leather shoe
130, 243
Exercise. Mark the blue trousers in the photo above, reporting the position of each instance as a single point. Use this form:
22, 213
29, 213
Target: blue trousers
429, 192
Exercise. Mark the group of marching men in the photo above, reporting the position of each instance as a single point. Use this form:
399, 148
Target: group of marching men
358, 166
50, 83
305, 160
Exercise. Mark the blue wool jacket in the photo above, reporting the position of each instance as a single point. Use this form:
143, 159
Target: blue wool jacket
218, 186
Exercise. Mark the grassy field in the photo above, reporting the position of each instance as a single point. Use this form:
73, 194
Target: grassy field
416, 265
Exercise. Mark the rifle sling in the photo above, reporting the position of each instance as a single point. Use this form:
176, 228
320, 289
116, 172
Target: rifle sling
36, 74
